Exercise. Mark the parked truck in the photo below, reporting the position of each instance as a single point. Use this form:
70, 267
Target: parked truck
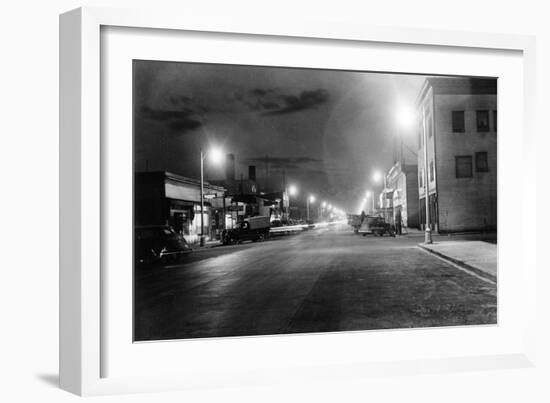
251, 229
375, 225
354, 220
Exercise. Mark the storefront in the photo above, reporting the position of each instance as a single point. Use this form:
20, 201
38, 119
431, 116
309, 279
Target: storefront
163, 198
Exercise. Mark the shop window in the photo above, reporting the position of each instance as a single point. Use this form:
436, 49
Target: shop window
464, 166
482, 119
458, 122
481, 162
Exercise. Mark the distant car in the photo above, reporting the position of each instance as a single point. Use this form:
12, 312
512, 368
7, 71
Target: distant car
159, 243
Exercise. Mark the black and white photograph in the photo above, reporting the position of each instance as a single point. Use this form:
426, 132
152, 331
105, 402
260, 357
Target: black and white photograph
277, 200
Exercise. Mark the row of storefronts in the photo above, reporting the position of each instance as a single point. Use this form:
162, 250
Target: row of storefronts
165, 198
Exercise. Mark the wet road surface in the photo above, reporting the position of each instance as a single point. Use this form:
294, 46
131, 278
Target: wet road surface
323, 280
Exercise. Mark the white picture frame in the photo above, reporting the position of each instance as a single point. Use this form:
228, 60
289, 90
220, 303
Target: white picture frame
82, 186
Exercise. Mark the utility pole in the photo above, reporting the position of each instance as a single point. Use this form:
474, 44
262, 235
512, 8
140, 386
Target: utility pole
202, 200
428, 232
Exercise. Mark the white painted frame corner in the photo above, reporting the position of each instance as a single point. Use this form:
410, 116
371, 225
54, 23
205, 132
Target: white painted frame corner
80, 173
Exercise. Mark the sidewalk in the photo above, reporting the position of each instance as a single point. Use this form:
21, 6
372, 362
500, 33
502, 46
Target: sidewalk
211, 243
476, 256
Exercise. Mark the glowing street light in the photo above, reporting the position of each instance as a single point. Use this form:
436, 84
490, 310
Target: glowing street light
406, 116
292, 190
378, 177
310, 199
362, 205
368, 195
216, 156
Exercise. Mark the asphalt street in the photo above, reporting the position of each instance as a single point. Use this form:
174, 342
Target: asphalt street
322, 280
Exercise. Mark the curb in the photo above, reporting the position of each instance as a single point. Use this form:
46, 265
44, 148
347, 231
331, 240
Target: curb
460, 263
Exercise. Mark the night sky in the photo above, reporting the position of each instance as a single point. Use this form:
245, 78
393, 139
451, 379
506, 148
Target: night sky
326, 130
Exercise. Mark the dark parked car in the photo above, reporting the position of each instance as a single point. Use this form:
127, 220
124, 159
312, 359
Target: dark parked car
159, 243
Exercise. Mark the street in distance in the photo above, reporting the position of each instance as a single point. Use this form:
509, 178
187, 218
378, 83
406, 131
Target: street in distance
272, 200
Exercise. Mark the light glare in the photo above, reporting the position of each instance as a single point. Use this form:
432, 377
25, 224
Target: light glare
216, 155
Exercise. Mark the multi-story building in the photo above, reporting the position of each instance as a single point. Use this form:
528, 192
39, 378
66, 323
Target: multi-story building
458, 116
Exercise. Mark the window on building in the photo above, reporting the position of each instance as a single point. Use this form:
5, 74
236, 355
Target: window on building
482, 119
464, 166
481, 162
420, 178
458, 122
431, 171
495, 120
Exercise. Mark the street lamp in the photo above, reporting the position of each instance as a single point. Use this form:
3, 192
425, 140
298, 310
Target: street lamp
216, 156
323, 209
377, 176
310, 199
368, 195
428, 233
406, 118
292, 190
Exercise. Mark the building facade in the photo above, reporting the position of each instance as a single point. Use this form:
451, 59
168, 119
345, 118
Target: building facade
402, 183
252, 196
458, 116
164, 198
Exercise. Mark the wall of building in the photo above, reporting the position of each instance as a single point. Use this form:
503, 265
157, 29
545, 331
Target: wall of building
465, 203
426, 109
411, 195
149, 200
426, 123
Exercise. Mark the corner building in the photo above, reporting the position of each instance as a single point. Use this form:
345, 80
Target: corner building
460, 119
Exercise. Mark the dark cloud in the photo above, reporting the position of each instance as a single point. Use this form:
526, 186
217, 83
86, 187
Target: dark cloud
178, 100
184, 125
285, 162
270, 105
306, 100
273, 102
182, 120
260, 92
